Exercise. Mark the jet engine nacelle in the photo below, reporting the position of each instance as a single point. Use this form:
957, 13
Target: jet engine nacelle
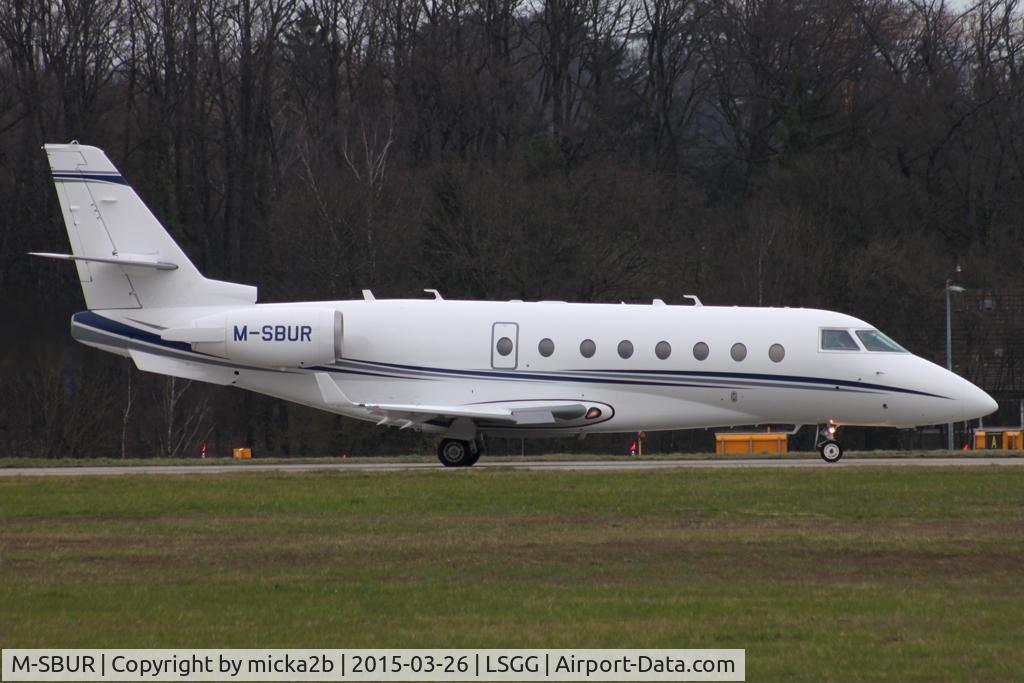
271, 338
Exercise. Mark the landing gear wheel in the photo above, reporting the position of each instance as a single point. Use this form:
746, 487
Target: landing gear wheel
831, 451
455, 453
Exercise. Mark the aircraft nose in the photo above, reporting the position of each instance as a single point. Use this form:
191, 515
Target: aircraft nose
976, 403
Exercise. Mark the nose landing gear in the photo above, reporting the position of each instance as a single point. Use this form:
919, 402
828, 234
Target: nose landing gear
830, 449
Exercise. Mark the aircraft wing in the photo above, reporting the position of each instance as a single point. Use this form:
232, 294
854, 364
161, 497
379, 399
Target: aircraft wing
513, 413
414, 413
536, 413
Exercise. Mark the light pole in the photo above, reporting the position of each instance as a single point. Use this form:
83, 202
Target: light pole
955, 289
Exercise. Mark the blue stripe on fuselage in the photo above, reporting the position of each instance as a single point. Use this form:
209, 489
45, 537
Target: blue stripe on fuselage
779, 378
112, 326
795, 379
526, 376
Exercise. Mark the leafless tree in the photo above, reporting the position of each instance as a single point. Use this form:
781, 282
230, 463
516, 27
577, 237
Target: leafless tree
184, 423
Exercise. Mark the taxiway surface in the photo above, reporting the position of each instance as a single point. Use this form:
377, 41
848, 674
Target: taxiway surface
622, 465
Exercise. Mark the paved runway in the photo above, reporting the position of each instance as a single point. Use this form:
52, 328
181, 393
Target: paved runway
591, 465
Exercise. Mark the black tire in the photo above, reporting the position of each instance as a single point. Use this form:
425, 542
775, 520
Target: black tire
831, 451
455, 453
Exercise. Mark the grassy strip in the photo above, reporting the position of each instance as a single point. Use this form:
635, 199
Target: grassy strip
866, 574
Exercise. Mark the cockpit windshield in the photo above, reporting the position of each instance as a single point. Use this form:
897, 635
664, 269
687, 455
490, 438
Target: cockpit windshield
837, 340
873, 340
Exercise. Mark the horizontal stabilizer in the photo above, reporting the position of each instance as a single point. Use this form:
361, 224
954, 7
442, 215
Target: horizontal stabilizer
131, 260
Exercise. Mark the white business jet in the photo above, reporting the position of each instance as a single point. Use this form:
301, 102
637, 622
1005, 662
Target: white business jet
463, 369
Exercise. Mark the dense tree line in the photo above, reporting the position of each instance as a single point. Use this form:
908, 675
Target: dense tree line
845, 154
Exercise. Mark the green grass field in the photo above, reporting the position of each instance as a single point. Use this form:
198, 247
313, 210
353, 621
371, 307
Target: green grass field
860, 574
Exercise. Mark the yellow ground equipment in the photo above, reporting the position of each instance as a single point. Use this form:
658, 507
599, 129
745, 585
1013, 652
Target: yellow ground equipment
1002, 439
730, 443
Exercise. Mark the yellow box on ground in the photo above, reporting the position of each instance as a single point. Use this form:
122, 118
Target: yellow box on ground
1008, 439
241, 453
727, 443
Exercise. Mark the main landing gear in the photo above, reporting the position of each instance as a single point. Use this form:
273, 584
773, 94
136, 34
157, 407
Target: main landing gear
457, 453
829, 448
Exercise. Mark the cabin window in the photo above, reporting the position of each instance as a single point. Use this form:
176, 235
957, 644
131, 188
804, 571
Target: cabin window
625, 348
837, 340
546, 347
701, 351
504, 346
588, 348
873, 340
777, 352
738, 352
663, 350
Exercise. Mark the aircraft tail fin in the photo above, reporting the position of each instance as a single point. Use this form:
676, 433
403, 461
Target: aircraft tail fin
125, 257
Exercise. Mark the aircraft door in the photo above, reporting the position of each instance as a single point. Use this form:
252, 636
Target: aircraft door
505, 345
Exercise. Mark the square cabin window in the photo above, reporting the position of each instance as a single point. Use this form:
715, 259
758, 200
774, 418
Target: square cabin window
837, 340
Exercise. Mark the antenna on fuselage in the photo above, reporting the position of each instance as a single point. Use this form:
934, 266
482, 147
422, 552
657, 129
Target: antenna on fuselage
694, 298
